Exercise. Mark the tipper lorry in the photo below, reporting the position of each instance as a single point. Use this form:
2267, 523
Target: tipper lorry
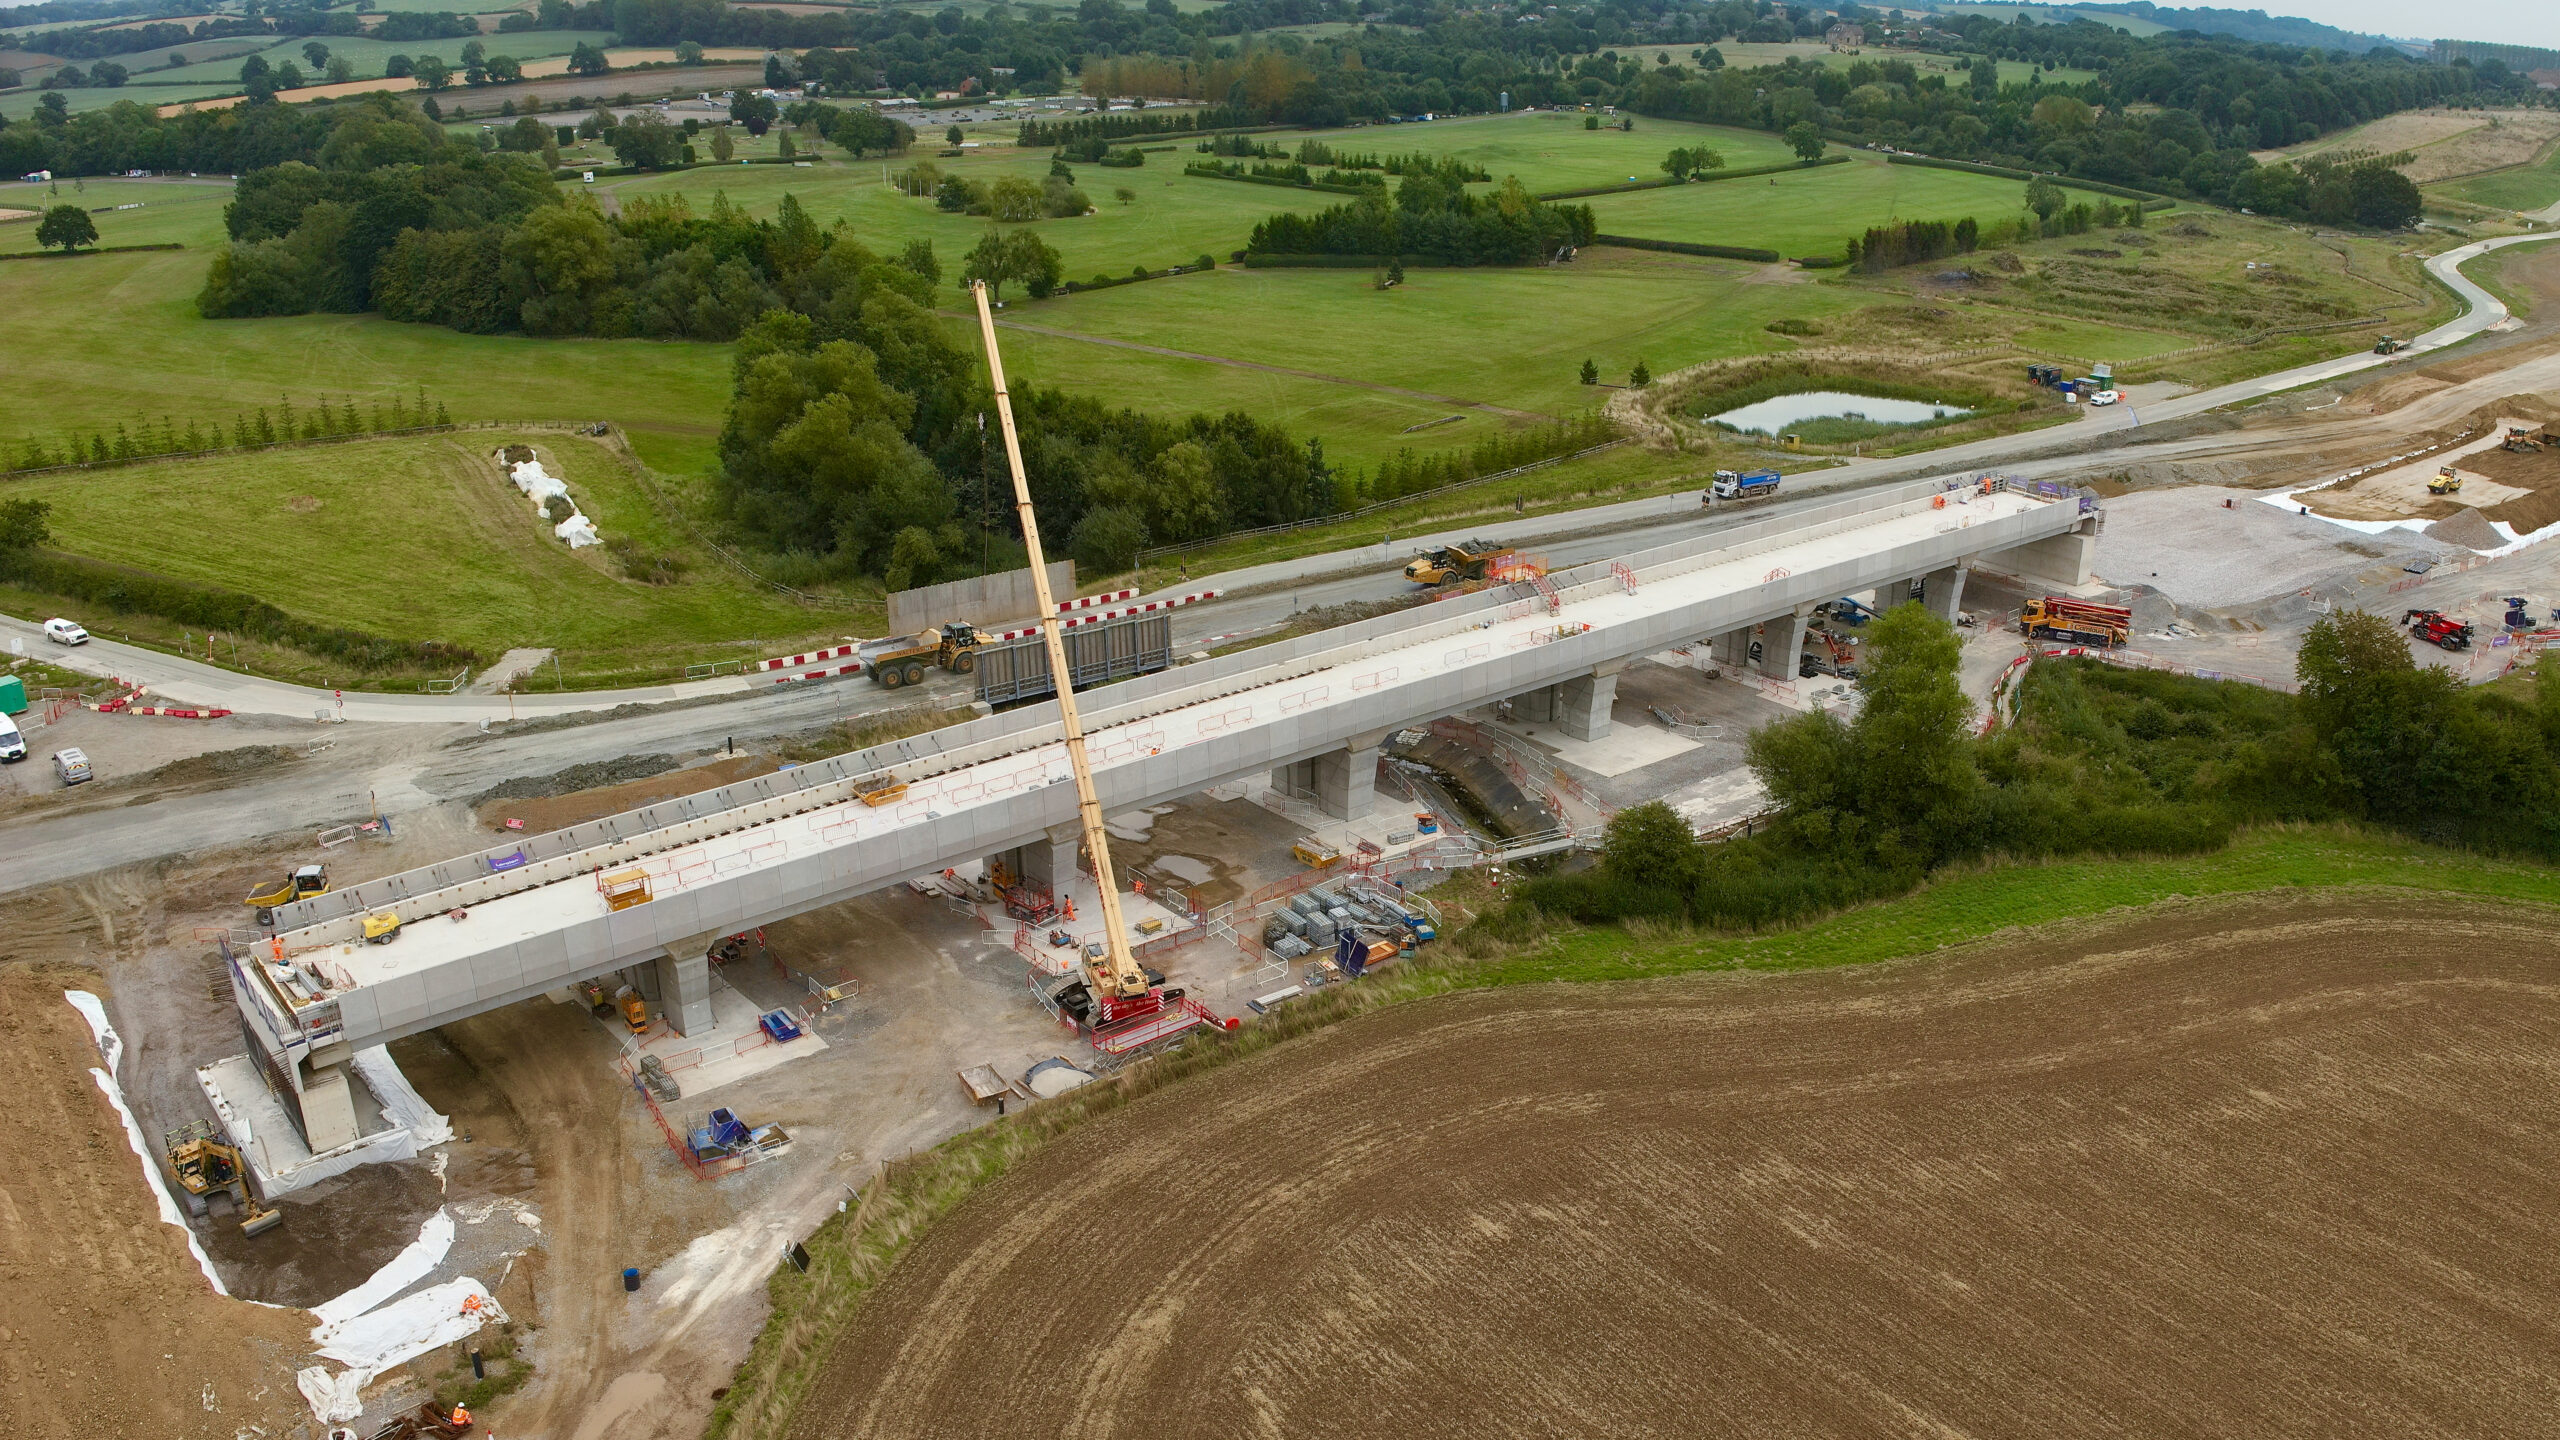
2059, 617
1742, 485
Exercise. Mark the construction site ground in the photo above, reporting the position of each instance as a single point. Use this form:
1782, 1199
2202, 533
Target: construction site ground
558, 1176
2183, 1171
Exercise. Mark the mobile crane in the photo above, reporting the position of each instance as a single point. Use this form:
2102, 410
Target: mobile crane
1117, 988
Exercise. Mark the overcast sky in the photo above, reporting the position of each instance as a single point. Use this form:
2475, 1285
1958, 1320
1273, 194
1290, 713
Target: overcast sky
2512, 22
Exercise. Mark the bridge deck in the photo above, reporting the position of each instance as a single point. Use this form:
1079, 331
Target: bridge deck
435, 940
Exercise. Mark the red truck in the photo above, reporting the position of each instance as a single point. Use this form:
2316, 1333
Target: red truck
2059, 617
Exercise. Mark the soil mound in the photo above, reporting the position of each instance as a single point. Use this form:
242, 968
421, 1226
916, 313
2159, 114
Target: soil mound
2230, 1169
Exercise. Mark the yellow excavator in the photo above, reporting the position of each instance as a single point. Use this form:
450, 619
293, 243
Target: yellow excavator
205, 1166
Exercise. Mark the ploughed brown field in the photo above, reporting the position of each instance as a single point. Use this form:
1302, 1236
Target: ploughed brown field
2256, 1169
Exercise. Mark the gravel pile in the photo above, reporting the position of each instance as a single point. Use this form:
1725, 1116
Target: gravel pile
2467, 528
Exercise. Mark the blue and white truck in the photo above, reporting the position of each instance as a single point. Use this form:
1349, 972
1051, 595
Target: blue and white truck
1742, 485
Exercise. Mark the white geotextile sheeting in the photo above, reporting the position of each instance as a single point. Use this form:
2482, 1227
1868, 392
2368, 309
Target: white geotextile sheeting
413, 1264
541, 485
258, 1123
332, 1397
408, 1328
536, 482
110, 1044
401, 1103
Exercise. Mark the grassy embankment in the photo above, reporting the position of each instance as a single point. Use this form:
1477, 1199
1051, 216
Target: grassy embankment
851, 1253
421, 539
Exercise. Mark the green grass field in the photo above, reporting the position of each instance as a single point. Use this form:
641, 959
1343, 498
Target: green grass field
423, 539
1173, 219
1811, 212
367, 55
1527, 332
116, 338
2528, 187
172, 212
1549, 149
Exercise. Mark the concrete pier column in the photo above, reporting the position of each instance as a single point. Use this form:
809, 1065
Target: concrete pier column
1347, 782
1782, 643
684, 989
1944, 594
1535, 707
1586, 704
1732, 649
328, 1106
1891, 593
1297, 779
1051, 862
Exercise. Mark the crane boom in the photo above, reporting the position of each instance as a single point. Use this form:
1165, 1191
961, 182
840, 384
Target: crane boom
1115, 974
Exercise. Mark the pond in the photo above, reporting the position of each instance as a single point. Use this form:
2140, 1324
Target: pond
1772, 417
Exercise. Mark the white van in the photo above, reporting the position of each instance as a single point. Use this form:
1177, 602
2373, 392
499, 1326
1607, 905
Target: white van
13, 745
73, 766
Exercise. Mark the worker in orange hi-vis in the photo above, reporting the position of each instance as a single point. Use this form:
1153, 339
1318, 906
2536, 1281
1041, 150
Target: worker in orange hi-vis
1067, 907
461, 1418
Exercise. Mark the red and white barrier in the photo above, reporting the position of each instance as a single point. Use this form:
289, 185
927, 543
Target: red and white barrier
787, 662
1147, 608
853, 669
1088, 602
176, 714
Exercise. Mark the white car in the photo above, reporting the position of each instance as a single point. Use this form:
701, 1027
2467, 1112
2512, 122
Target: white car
65, 632
2105, 397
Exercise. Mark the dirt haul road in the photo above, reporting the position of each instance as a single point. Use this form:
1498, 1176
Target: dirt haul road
2265, 1169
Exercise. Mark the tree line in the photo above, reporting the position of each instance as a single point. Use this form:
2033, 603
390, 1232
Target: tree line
2100, 761
319, 419
1431, 218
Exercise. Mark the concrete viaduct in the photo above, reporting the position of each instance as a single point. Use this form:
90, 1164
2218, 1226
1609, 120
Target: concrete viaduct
1311, 711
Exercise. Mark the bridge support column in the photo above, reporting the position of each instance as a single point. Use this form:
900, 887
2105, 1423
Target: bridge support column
1297, 779
1050, 862
1347, 781
1782, 643
1891, 593
1535, 707
1732, 649
1944, 592
684, 990
1585, 703
328, 1106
